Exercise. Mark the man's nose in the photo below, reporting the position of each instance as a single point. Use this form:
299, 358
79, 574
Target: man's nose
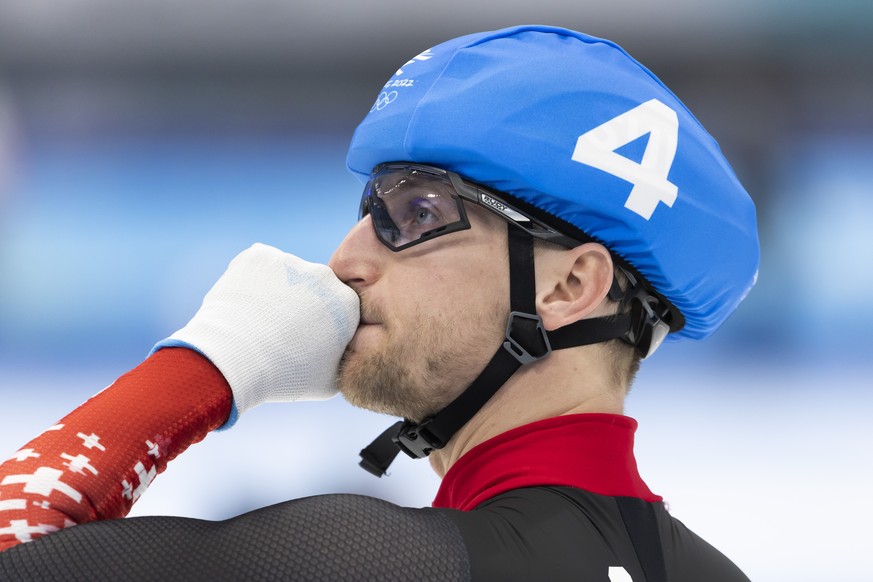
356, 261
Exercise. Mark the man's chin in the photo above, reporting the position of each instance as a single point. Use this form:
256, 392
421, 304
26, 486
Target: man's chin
374, 378
365, 390
358, 400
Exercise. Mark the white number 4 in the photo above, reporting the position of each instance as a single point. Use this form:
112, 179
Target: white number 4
597, 147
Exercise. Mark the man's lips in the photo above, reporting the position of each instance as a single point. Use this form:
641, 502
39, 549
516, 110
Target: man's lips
369, 319
364, 333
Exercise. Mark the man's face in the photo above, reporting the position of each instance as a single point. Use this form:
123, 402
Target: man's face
432, 315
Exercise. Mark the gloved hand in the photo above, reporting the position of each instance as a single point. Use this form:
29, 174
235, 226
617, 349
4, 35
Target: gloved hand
275, 326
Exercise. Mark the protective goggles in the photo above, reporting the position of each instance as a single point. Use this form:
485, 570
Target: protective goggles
414, 203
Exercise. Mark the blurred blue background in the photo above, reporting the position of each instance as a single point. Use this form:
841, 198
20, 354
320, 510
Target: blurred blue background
143, 145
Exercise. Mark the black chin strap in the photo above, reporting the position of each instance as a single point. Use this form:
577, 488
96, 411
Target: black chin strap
526, 342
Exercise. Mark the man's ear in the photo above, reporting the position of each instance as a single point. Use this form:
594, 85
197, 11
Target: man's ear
572, 283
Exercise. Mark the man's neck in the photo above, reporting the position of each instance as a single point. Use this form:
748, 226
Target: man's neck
562, 384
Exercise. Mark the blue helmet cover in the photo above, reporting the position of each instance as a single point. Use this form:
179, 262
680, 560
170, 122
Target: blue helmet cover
574, 126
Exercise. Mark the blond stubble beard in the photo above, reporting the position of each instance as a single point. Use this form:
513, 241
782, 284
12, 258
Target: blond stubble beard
416, 371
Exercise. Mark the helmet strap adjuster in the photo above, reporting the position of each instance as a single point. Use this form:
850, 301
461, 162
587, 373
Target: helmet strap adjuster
526, 338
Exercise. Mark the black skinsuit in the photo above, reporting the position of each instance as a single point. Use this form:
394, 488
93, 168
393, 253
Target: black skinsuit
515, 528
537, 533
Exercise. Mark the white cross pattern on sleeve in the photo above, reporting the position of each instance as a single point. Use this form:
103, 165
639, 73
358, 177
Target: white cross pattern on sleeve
145, 479
13, 504
42, 482
24, 532
91, 441
78, 464
154, 450
25, 454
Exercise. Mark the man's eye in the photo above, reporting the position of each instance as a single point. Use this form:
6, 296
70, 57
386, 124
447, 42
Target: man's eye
424, 216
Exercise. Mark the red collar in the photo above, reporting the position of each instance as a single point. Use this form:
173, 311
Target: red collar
593, 452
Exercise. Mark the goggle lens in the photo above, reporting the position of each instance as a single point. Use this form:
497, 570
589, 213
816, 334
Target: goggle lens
412, 205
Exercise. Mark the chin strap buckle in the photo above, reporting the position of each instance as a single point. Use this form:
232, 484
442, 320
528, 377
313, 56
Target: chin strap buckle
416, 440
526, 338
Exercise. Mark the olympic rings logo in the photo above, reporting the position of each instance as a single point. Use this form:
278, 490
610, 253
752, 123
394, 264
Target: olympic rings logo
384, 100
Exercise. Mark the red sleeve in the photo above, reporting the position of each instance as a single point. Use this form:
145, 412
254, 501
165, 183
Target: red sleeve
98, 460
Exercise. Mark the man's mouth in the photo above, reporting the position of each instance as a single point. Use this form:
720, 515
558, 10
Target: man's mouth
370, 315
370, 318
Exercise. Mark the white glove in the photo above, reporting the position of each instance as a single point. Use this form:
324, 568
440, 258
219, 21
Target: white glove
275, 326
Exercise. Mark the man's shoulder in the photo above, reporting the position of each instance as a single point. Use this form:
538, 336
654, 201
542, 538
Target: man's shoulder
567, 532
325, 537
